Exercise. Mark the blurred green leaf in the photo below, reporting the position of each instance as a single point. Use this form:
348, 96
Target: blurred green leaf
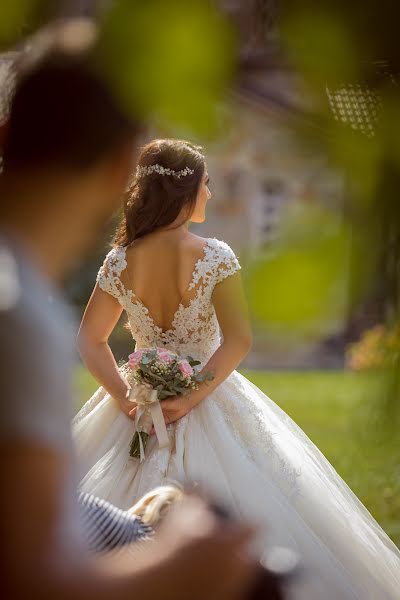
169, 61
389, 125
301, 289
359, 158
20, 17
321, 44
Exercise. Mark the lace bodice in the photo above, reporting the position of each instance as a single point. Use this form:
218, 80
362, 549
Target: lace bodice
194, 329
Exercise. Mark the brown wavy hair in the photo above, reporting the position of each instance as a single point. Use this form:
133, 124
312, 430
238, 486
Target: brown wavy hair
155, 201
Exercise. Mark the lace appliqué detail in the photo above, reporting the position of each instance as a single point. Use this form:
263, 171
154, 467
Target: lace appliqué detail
218, 263
194, 329
109, 273
257, 440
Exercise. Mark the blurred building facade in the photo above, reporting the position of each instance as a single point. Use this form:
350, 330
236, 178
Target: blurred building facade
259, 173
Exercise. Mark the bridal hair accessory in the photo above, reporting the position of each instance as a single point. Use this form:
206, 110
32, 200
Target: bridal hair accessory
143, 171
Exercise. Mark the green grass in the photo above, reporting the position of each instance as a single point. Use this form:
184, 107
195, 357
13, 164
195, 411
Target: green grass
334, 409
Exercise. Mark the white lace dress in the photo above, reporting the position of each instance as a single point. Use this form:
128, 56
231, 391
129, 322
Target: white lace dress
239, 445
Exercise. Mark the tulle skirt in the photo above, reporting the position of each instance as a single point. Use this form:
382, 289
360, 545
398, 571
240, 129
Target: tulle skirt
249, 455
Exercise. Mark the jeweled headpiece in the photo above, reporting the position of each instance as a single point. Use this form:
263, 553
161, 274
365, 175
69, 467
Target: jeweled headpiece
143, 171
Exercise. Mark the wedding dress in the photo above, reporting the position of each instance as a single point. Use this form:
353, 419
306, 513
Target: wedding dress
241, 447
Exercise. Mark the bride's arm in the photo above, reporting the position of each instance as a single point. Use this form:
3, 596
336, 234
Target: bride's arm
100, 318
232, 314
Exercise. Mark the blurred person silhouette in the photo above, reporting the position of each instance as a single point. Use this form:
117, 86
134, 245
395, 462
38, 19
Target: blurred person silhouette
275, 575
68, 149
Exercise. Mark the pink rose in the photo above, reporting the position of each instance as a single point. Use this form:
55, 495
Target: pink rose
164, 356
185, 368
135, 358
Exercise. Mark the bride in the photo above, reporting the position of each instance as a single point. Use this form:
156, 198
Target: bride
180, 291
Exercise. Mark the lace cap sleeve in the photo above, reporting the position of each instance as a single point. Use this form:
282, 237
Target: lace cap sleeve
227, 263
109, 273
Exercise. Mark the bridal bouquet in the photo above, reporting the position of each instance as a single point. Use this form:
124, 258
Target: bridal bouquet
158, 374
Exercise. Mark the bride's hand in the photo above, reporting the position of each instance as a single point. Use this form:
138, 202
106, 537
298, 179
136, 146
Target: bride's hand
175, 408
128, 407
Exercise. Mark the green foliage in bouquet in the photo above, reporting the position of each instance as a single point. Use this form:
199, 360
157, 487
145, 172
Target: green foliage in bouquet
168, 380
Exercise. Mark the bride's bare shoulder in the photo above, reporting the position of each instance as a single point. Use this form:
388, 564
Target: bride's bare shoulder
196, 241
194, 245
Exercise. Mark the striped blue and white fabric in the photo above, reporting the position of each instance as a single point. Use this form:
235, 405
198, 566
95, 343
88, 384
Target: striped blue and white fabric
107, 527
